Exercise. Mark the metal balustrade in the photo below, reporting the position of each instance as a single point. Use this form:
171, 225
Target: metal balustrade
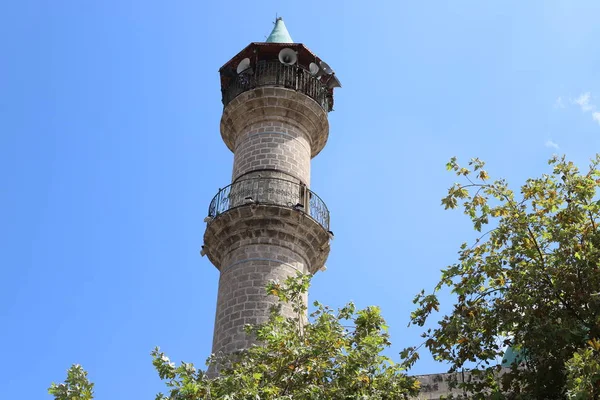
270, 191
274, 73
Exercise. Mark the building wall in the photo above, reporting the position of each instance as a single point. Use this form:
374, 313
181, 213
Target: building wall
274, 133
242, 298
434, 386
272, 149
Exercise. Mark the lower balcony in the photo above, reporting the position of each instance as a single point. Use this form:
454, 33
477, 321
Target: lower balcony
274, 191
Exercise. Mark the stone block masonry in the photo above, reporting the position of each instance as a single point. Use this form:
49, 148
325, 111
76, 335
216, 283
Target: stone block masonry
268, 225
266, 233
241, 299
272, 149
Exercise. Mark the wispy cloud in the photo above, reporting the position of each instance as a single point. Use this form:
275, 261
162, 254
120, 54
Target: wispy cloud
559, 103
554, 145
583, 101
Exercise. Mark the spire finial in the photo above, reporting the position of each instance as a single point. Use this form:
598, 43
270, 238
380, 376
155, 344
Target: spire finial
280, 33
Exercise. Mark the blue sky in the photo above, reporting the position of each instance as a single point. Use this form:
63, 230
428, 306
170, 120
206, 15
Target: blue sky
111, 153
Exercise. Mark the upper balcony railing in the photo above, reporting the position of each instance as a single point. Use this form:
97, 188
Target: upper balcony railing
274, 73
276, 191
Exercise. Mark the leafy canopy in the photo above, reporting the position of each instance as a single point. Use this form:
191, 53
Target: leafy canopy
530, 281
76, 386
335, 354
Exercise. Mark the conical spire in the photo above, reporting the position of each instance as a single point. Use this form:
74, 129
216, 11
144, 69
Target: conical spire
280, 33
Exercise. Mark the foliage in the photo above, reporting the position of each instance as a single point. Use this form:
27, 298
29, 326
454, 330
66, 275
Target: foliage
321, 358
583, 372
76, 386
531, 282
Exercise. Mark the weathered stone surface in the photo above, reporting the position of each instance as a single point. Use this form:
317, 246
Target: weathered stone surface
272, 150
434, 386
274, 132
253, 245
266, 224
275, 105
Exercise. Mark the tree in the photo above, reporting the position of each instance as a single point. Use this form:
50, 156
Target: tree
76, 386
531, 282
335, 354
583, 372
295, 359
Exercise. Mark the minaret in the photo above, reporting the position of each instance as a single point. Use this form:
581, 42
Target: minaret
267, 224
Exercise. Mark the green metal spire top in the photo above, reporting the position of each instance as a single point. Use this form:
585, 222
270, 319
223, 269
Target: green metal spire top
280, 33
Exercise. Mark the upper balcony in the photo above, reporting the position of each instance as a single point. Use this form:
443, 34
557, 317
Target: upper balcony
274, 73
273, 191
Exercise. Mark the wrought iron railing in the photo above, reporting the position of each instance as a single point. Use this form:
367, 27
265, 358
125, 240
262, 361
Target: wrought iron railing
270, 191
274, 73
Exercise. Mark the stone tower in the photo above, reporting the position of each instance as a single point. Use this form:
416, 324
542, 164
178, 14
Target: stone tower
267, 224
